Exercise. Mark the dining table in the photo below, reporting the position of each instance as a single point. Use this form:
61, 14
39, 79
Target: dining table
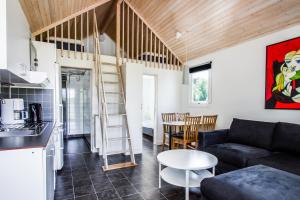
173, 125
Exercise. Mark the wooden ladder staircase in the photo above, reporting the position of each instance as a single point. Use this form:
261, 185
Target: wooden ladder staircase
102, 83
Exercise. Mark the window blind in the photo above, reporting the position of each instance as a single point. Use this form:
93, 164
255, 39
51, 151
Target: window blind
199, 68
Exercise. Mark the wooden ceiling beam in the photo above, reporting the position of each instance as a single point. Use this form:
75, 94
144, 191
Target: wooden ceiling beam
99, 3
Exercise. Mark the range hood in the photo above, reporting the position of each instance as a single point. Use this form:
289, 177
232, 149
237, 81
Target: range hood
23, 77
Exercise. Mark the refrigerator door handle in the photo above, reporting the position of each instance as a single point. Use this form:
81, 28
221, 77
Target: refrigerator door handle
61, 114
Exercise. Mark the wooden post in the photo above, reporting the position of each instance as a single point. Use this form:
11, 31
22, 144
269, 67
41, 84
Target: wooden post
48, 36
137, 38
147, 33
142, 41
94, 32
68, 38
117, 33
87, 35
132, 36
81, 35
123, 30
151, 58
61, 37
55, 37
75, 32
159, 63
127, 35
155, 63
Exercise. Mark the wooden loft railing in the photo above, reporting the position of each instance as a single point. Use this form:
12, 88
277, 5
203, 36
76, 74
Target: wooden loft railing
139, 42
75, 35
135, 40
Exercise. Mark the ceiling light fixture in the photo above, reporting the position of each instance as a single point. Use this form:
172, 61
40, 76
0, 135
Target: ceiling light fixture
178, 35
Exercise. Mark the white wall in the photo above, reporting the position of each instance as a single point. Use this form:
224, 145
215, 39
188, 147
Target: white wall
107, 46
18, 34
3, 49
238, 82
168, 97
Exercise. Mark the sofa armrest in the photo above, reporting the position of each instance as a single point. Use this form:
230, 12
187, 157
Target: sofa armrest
213, 137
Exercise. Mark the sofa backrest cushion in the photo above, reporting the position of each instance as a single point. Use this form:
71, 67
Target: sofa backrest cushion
254, 133
287, 138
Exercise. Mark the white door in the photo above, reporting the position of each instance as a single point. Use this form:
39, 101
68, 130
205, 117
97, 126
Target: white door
149, 106
134, 99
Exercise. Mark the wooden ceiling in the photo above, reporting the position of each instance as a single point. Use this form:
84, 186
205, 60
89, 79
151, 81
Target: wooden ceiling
42, 13
209, 25
206, 25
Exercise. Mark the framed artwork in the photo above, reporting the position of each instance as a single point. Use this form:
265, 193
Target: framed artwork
283, 75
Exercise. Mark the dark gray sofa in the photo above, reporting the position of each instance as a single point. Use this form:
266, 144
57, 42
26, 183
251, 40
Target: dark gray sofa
257, 161
249, 143
258, 182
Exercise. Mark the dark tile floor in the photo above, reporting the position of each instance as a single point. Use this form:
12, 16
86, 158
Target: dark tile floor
82, 177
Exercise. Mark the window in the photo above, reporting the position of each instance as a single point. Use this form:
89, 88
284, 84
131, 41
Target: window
200, 84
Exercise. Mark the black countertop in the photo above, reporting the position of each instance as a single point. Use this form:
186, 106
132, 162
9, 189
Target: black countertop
26, 142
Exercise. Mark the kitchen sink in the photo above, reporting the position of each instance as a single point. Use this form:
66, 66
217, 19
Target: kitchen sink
34, 130
11, 133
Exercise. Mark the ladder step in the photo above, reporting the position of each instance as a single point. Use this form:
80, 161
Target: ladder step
110, 73
116, 114
112, 92
111, 82
115, 103
117, 152
119, 166
115, 126
119, 138
108, 63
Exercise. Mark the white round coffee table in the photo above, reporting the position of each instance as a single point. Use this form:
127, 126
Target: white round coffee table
180, 164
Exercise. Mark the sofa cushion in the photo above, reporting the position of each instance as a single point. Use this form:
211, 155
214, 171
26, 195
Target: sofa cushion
283, 161
287, 137
253, 183
236, 154
254, 133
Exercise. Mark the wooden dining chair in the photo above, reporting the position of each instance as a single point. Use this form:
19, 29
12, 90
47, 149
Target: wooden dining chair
208, 123
167, 117
190, 133
181, 117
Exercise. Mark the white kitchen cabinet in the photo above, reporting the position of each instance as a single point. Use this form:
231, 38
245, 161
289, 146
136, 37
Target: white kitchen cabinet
27, 173
50, 171
14, 35
46, 55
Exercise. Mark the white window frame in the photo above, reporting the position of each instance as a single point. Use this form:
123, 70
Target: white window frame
209, 100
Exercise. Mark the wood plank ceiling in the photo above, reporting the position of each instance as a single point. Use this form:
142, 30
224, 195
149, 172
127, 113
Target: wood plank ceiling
42, 13
209, 25
206, 25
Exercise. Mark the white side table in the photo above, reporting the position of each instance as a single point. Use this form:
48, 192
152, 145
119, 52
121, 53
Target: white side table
180, 164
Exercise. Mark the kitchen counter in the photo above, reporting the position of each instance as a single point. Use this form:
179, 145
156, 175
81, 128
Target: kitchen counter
25, 142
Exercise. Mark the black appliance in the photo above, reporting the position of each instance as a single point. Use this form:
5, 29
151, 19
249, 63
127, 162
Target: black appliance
35, 113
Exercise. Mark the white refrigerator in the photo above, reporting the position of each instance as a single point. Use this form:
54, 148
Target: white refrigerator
59, 136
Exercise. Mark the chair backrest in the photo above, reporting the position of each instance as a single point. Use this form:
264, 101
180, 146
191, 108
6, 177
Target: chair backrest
209, 122
191, 128
182, 116
167, 117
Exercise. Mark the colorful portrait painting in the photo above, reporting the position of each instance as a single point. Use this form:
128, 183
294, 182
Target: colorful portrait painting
283, 75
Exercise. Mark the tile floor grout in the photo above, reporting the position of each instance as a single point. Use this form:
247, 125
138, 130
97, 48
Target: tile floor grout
143, 179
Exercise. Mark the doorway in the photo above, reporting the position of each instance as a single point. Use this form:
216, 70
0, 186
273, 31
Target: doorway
149, 109
76, 100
